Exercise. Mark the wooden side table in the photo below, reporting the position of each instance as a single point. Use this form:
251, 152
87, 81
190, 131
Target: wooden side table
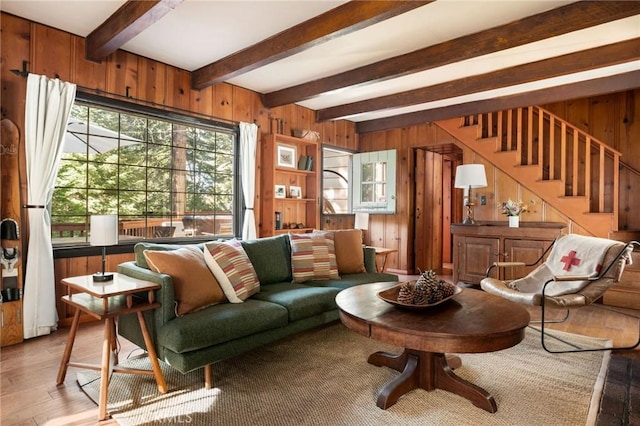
382, 253
107, 301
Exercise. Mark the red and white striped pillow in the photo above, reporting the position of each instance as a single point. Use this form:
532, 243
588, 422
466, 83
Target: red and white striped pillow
231, 266
313, 257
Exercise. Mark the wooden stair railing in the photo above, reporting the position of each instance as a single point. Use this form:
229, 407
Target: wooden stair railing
549, 156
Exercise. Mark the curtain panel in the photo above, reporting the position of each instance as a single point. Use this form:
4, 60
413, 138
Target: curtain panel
48, 106
248, 146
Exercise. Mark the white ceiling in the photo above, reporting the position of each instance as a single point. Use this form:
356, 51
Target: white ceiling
199, 32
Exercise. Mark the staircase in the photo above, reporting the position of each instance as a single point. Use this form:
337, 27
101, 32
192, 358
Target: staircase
567, 168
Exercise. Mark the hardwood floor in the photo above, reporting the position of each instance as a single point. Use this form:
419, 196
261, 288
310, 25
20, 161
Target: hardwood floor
29, 395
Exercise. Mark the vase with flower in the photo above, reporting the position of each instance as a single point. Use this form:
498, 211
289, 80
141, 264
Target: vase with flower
513, 210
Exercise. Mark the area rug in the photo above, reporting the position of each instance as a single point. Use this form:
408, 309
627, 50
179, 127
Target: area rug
321, 377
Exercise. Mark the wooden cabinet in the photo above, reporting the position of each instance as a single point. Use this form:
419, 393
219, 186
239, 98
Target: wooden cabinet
476, 247
284, 165
11, 331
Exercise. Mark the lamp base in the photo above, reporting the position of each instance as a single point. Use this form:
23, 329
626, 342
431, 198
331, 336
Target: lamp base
468, 221
100, 277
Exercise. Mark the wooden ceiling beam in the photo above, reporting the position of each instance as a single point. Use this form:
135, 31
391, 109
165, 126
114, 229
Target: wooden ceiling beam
585, 60
583, 89
563, 20
128, 21
340, 21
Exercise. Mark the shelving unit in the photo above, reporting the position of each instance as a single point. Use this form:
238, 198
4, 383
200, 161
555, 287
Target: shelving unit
304, 212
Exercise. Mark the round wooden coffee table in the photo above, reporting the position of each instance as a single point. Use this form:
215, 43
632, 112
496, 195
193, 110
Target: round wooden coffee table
472, 322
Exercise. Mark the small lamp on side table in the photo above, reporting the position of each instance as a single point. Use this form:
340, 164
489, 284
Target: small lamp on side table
470, 176
362, 223
104, 232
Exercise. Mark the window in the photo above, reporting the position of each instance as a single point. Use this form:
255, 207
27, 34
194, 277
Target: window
336, 192
374, 182
163, 177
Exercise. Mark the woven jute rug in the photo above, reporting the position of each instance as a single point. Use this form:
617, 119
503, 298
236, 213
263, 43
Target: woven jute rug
321, 377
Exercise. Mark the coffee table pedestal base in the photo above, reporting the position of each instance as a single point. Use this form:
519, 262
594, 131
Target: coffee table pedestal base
429, 371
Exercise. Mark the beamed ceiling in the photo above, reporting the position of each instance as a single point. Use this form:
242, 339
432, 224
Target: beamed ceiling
381, 64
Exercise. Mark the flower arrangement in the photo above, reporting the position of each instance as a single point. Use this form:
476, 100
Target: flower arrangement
514, 208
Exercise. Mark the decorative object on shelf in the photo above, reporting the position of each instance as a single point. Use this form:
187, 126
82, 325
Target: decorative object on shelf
280, 191
513, 209
278, 220
470, 176
104, 232
305, 163
287, 156
306, 134
295, 192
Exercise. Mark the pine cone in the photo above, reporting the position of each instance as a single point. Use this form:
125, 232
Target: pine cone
406, 293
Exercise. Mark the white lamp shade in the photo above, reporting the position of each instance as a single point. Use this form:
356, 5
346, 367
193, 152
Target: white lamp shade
470, 175
104, 230
362, 221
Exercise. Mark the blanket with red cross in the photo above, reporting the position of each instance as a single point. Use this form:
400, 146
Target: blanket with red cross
578, 255
572, 255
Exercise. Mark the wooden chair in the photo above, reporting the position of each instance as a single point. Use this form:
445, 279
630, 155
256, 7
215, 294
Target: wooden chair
576, 273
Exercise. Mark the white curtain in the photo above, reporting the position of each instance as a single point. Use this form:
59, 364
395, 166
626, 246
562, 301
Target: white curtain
248, 146
47, 111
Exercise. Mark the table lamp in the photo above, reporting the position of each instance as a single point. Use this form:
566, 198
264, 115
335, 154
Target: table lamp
470, 176
104, 232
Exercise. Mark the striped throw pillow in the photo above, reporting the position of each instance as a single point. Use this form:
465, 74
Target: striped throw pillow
231, 266
313, 257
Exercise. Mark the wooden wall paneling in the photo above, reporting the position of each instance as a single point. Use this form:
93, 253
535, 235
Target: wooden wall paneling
222, 101
328, 133
340, 133
89, 74
14, 48
405, 203
602, 118
53, 57
535, 213
122, 74
628, 121
152, 80
351, 138
202, 101
178, 88
577, 113
243, 104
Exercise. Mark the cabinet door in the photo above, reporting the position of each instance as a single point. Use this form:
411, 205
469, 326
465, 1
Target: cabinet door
11, 322
475, 255
527, 251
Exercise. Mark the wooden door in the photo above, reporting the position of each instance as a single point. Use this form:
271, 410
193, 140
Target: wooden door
429, 216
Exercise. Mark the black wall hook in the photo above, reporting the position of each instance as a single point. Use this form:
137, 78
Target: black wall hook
25, 70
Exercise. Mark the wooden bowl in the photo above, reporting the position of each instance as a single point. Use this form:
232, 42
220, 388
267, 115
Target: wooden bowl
390, 295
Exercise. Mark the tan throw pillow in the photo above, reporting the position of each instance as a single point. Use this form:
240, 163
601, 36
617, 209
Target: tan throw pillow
194, 285
313, 257
349, 252
232, 268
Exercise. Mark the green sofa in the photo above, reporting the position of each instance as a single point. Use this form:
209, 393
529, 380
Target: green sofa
280, 309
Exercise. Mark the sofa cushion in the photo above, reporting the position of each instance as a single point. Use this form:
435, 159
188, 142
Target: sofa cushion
351, 280
300, 300
139, 249
232, 268
271, 258
220, 323
349, 253
313, 257
194, 285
